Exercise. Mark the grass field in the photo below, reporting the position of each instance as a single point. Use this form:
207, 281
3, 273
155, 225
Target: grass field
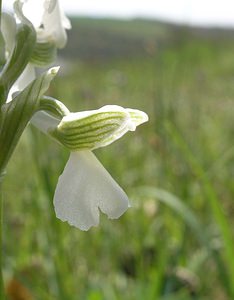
176, 242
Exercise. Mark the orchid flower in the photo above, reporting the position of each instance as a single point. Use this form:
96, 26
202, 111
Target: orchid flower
49, 20
85, 186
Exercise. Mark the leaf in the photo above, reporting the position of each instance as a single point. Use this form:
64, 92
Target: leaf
16, 114
180, 208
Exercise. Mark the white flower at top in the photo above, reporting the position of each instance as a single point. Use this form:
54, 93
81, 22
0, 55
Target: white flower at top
50, 24
48, 19
85, 186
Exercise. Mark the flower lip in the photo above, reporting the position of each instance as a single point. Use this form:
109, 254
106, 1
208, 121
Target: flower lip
85, 187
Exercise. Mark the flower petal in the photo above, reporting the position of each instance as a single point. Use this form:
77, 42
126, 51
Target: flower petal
89, 130
49, 21
33, 11
92, 129
55, 23
83, 188
138, 117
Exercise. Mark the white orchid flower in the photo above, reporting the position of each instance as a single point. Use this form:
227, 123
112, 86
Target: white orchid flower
85, 186
48, 20
50, 23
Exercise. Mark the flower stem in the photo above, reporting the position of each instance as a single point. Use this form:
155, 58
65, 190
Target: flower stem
0, 12
2, 293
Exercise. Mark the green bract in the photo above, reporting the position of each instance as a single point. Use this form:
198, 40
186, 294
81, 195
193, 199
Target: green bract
8, 30
2, 51
15, 115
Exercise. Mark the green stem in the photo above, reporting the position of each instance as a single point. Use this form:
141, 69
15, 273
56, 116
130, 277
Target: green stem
0, 12
2, 293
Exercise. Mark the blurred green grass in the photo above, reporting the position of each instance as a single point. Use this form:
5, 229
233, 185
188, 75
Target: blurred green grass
176, 242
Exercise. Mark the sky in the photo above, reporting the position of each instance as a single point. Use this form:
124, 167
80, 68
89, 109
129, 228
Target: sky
193, 12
